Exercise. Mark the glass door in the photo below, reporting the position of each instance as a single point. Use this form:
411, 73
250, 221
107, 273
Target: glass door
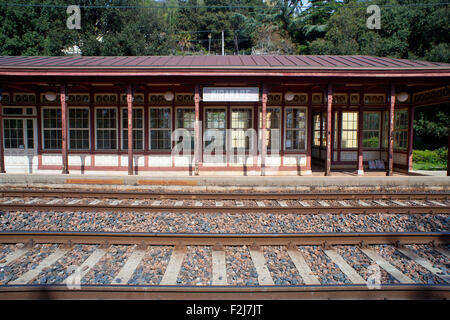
19, 144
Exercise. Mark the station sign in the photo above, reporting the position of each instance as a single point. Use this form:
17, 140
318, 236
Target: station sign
231, 94
430, 96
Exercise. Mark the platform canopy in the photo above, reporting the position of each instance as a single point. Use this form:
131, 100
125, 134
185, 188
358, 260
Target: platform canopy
310, 107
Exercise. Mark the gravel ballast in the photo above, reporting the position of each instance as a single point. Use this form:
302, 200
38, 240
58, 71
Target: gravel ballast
221, 222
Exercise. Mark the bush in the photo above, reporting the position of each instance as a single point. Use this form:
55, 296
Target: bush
430, 159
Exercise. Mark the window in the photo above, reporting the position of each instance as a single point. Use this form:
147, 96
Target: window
138, 128
51, 127
241, 121
371, 130
215, 127
185, 119
106, 128
385, 129
336, 129
273, 121
295, 129
79, 128
7, 111
30, 134
349, 130
400, 129
316, 129
324, 129
160, 129
13, 132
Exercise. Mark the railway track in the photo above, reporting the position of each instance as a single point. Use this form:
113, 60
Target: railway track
203, 265
218, 195
228, 203
232, 266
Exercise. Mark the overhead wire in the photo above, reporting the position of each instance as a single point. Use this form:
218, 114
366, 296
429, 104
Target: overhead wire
230, 6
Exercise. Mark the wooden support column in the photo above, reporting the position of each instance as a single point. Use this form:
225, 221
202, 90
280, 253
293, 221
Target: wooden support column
360, 139
390, 166
263, 130
410, 137
65, 165
321, 132
328, 129
310, 129
197, 140
2, 150
448, 155
130, 128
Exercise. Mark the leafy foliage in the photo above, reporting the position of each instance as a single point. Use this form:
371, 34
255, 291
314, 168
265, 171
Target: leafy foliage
250, 26
430, 159
431, 126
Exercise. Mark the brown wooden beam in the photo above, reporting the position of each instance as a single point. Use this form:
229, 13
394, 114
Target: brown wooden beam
65, 165
2, 150
197, 140
263, 130
329, 107
410, 137
130, 128
360, 138
448, 155
309, 134
390, 166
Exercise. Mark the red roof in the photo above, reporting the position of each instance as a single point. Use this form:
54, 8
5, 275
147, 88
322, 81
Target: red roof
231, 66
218, 62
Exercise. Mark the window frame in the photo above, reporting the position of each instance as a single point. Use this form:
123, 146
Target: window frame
96, 129
24, 134
88, 129
280, 108
252, 119
316, 131
192, 130
396, 130
224, 107
125, 129
43, 129
323, 135
380, 115
305, 129
170, 129
385, 131
349, 130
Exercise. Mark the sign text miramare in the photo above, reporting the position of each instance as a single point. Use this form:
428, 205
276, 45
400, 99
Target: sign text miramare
231, 94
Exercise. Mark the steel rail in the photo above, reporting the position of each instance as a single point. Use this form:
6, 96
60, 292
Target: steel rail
359, 292
223, 196
258, 239
429, 209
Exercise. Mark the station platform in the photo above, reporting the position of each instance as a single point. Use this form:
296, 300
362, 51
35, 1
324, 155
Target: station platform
338, 181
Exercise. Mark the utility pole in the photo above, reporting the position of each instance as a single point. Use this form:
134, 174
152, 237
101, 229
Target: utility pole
223, 45
209, 45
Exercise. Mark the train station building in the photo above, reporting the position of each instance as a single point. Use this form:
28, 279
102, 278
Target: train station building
213, 115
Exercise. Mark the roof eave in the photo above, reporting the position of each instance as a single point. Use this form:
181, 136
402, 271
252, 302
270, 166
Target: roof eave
228, 71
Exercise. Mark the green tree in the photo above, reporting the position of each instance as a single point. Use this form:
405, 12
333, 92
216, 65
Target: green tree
407, 31
113, 31
34, 30
237, 22
431, 127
